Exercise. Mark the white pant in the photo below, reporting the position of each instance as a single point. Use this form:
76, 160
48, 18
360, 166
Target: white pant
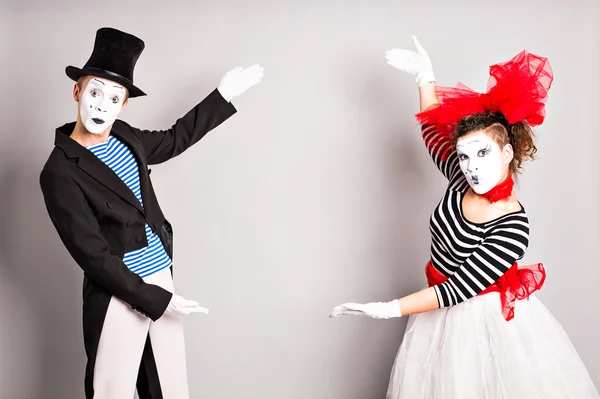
122, 342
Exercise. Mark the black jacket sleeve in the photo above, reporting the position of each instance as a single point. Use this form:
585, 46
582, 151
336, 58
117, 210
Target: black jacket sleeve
162, 145
80, 232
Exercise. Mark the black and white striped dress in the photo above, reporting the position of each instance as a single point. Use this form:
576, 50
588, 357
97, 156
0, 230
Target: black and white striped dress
470, 351
472, 255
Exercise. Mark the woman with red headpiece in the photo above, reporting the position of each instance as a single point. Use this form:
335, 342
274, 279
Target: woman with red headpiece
477, 331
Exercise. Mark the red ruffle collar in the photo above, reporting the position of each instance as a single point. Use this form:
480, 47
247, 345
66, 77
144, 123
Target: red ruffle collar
501, 191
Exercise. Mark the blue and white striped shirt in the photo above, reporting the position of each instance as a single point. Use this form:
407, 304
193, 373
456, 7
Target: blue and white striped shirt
153, 258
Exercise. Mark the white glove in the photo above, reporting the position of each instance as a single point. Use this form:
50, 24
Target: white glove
238, 80
417, 64
376, 310
184, 306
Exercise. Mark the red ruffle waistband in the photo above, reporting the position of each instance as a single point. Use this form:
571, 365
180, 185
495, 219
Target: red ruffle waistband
516, 284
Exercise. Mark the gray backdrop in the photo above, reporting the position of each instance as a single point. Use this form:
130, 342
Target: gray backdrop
316, 193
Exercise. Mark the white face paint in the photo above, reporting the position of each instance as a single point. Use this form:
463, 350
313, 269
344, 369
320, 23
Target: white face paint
100, 104
482, 161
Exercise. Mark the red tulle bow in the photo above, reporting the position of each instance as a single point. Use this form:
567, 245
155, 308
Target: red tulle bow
517, 88
518, 283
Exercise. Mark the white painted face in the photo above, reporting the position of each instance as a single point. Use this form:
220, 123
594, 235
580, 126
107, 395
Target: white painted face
100, 105
483, 162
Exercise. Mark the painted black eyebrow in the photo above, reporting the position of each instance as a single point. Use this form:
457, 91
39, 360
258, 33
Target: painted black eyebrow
100, 81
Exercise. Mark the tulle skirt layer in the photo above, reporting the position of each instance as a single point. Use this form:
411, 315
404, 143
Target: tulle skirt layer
470, 351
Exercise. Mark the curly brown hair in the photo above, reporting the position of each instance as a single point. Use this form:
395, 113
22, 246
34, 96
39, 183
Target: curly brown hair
519, 135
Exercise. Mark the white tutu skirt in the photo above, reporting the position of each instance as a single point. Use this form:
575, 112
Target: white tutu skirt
470, 351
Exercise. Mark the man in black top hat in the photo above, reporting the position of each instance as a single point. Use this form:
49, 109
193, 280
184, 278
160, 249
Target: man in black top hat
97, 190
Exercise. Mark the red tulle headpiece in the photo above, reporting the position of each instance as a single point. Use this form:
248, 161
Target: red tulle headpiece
517, 88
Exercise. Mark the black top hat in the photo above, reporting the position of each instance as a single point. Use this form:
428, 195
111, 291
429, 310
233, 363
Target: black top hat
114, 56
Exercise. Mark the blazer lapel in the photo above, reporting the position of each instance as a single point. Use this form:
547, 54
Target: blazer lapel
130, 141
93, 166
97, 169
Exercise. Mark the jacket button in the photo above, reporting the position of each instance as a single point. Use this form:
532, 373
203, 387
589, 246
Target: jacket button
129, 223
138, 239
108, 204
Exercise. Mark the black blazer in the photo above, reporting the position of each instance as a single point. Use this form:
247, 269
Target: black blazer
98, 217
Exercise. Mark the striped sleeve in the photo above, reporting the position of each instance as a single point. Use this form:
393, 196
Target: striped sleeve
436, 145
505, 244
